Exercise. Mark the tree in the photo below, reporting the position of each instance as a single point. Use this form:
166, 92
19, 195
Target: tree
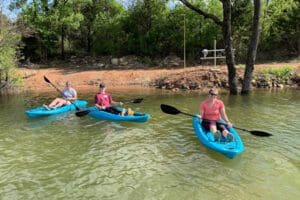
66, 17
9, 39
281, 28
227, 37
104, 27
38, 34
89, 11
241, 23
252, 48
50, 20
142, 23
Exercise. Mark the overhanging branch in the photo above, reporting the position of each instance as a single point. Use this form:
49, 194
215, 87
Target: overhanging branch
201, 12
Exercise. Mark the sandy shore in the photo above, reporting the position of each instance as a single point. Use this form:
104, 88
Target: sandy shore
88, 80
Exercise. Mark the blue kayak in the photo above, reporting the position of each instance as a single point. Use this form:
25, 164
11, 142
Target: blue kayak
103, 115
228, 149
41, 111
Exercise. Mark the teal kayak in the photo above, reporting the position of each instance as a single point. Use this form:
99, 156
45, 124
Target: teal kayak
103, 115
228, 149
41, 111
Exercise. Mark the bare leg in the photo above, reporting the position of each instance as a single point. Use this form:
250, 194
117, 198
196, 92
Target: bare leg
223, 129
54, 103
123, 112
60, 103
225, 133
47, 107
213, 128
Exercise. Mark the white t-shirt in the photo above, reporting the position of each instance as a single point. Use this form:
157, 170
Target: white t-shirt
69, 93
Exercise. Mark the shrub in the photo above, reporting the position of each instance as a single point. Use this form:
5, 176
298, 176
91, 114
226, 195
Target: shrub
281, 73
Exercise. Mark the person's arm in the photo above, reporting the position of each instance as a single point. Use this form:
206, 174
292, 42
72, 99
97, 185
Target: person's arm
201, 111
100, 107
224, 116
115, 103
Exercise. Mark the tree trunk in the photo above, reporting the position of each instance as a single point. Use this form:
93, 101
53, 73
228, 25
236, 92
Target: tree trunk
252, 48
298, 39
6, 76
299, 44
45, 5
226, 28
62, 42
89, 39
228, 47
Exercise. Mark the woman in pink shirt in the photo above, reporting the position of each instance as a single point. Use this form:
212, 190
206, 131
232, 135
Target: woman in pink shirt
104, 101
211, 111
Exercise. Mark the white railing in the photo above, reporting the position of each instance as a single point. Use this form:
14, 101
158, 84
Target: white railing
205, 53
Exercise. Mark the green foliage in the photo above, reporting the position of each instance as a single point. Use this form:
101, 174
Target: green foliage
9, 39
51, 22
151, 27
242, 13
281, 73
240, 66
15, 77
280, 28
108, 36
147, 60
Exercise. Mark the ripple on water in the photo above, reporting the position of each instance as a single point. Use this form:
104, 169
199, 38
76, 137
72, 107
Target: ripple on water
66, 157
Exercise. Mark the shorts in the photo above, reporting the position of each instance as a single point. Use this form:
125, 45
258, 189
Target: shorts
207, 124
112, 110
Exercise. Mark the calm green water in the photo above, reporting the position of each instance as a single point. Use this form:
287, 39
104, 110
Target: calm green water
66, 157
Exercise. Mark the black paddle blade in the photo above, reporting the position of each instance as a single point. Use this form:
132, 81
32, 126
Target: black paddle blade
76, 107
46, 79
82, 113
169, 109
260, 133
137, 100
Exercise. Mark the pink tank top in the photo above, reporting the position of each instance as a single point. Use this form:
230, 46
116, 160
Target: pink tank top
103, 99
211, 112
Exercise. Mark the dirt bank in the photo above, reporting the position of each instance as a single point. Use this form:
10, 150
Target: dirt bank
86, 80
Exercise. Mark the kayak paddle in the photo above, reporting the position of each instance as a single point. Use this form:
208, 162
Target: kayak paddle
58, 90
85, 112
174, 111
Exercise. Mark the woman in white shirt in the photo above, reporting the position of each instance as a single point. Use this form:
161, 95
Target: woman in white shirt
68, 94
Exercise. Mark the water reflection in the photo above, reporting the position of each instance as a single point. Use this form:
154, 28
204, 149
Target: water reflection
41, 121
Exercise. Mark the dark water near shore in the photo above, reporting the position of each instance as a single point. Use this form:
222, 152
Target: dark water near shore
66, 157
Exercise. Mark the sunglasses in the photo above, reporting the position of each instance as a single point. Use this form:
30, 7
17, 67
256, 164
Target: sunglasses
213, 94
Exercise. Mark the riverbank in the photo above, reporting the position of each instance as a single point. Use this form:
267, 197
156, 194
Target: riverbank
190, 78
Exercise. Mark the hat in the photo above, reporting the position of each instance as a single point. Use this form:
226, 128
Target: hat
102, 85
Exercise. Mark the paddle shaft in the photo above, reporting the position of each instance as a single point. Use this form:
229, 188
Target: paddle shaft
58, 90
212, 120
242, 129
174, 111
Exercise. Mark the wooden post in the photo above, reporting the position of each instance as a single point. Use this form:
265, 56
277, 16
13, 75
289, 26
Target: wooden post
184, 47
215, 53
